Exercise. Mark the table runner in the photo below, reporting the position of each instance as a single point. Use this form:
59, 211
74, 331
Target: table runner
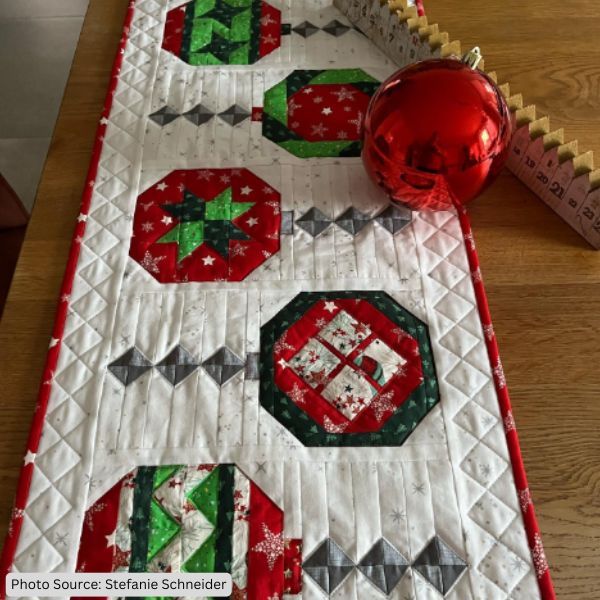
259, 365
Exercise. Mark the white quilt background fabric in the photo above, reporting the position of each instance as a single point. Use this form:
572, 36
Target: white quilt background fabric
452, 477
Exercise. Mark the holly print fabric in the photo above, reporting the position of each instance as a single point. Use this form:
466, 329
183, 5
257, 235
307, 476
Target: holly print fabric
261, 366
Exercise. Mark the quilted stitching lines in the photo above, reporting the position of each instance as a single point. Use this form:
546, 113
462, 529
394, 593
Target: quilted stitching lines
178, 364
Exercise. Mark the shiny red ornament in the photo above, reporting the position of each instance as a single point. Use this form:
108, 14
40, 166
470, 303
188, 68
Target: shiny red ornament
436, 134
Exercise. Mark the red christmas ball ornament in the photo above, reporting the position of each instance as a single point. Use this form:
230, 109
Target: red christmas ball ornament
436, 133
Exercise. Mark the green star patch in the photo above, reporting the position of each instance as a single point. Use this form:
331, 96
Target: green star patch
205, 222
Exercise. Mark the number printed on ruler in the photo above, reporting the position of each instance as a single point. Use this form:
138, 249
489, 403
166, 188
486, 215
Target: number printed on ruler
545, 171
589, 218
526, 171
518, 147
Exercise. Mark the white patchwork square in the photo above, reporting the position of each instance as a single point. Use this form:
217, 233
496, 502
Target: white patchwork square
349, 393
344, 332
314, 363
380, 362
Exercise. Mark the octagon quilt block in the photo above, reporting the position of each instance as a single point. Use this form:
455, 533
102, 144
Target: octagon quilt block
348, 368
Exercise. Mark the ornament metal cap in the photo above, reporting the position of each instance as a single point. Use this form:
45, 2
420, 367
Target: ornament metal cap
473, 57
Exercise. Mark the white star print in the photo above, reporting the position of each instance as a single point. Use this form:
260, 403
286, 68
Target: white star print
357, 122
208, 260
204, 174
267, 20
150, 263
319, 130
111, 539
330, 306
308, 91
147, 227
293, 107
282, 363
29, 457
246, 190
344, 94
272, 546
252, 221
166, 220
326, 111
53, 342
269, 39
81, 218
103, 121
162, 186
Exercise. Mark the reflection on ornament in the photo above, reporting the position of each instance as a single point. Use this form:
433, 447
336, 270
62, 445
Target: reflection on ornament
436, 134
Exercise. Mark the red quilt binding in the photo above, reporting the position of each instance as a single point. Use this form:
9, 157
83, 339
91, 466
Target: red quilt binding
10, 544
533, 532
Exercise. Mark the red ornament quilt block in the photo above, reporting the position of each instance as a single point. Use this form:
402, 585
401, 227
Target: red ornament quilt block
349, 368
206, 225
195, 519
318, 113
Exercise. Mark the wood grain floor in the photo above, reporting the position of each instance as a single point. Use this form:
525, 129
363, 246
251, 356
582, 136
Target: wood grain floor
543, 281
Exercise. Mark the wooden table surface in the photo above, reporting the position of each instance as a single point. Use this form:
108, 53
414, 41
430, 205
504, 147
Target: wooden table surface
543, 281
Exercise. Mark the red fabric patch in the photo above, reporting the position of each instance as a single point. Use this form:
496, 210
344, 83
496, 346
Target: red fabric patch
174, 26
292, 566
388, 397
327, 112
95, 553
270, 29
261, 224
257, 114
265, 547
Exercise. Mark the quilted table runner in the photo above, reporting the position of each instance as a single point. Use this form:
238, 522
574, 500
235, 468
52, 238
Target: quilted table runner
260, 366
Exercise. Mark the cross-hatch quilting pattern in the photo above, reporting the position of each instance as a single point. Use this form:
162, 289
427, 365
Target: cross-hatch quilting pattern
63, 457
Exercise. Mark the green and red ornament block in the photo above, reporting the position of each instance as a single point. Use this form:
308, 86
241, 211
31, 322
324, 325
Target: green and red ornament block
318, 113
348, 369
216, 32
206, 225
193, 519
